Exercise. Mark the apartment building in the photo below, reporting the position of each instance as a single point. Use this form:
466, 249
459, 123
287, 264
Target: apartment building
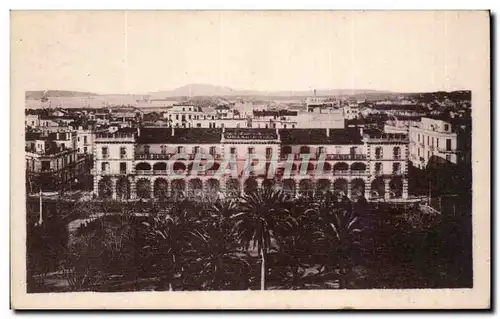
51, 165
432, 138
156, 163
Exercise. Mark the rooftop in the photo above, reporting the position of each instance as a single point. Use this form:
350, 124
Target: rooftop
319, 136
160, 135
250, 134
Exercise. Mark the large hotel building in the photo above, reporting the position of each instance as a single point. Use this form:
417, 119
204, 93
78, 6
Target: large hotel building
144, 162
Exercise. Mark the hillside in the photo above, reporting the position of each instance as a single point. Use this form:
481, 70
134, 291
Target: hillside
206, 90
37, 95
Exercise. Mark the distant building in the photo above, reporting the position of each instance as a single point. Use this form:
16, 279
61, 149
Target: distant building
432, 137
51, 165
351, 111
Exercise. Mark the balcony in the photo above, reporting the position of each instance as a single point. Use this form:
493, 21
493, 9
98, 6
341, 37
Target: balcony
160, 172
153, 156
345, 156
449, 151
341, 173
143, 172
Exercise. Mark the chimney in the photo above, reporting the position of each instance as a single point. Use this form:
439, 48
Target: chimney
138, 131
328, 132
173, 133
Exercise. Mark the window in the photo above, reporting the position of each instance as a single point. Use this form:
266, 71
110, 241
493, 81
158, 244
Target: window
251, 150
85, 139
446, 127
123, 168
105, 167
396, 168
285, 150
104, 151
189, 116
78, 138
123, 152
146, 149
378, 152
232, 150
378, 168
183, 109
180, 149
284, 125
437, 142
304, 150
45, 165
85, 149
212, 150
163, 149
196, 149
448, 144
418, 151
269, 152
78, 150
177, 116
396, 152
321, 150
428, 140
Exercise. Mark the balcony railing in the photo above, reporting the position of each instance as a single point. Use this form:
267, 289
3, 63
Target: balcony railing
160, 172
341, 173
156, 156
152, 156
444, 150
345, 156
143, 172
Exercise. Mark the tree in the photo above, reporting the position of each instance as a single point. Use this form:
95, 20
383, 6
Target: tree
167, 240
262, 213
338, 232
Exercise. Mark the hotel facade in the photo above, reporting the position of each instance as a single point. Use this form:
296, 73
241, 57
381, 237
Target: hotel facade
153, 163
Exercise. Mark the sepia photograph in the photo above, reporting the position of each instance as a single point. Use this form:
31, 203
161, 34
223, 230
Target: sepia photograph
291, 156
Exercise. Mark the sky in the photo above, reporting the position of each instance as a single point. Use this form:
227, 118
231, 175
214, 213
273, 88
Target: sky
139, 51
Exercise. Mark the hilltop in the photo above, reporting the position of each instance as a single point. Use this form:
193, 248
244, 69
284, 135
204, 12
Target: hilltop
36, 95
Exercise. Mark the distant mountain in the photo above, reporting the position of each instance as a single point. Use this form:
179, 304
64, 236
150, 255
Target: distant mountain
36, 95
191, 90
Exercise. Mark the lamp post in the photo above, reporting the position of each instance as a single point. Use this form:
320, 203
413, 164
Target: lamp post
40, 216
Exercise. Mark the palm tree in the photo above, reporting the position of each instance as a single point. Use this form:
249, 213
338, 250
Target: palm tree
262, 213
166, 242
216, 255
216, 260
338, 233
